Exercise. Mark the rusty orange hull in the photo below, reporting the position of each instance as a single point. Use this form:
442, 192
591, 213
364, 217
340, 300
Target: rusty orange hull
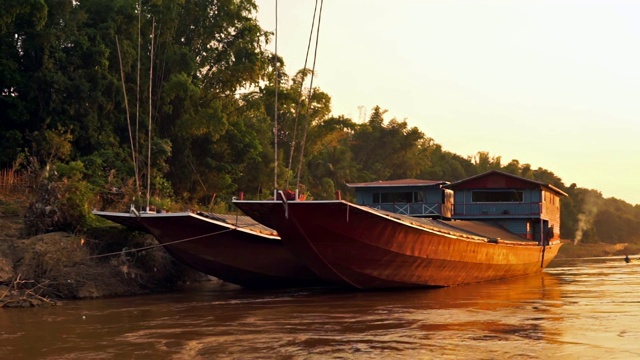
236, 254
360, 247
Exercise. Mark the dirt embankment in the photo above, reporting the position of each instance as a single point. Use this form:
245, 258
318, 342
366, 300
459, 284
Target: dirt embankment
44, 269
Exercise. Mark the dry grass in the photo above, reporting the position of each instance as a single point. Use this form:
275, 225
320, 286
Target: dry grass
13, 183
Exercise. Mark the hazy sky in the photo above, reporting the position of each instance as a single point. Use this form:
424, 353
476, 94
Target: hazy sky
555, 83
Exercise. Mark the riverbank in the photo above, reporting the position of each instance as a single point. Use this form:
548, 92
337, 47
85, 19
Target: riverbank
43, 269
572, 251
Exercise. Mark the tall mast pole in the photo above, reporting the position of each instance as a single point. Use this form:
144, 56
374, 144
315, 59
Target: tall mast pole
137, 148
153, 29
275, 111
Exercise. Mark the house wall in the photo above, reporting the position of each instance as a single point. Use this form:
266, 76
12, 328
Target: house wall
364, 197
464, 205
536, 204
496, 181
551, 211
432, 196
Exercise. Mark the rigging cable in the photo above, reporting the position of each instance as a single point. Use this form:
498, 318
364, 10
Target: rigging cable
299, 101
313, 70
133, 211
126, 105
123, 251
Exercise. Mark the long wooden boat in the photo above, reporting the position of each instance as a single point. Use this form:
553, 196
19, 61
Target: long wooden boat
234, 249
357, 246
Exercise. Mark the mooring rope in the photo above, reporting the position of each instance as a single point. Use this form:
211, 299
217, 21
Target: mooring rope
123, 251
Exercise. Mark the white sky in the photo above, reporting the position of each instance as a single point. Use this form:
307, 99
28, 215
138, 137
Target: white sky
552, 83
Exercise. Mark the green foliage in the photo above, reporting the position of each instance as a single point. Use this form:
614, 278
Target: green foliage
51, 145
569, 217
60, 69
73, 171
61, 201
108, 168
614, 225
485, 162
76, 205
327, 191
390, 151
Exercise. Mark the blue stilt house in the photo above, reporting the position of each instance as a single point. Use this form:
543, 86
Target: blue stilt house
523, 206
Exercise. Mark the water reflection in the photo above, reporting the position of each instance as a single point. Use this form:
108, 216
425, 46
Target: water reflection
586, 310
603, 305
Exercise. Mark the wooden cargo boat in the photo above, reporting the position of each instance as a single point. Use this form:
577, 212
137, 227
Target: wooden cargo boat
234, 249
365, 248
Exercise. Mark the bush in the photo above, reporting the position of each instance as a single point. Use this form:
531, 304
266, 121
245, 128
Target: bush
58, 205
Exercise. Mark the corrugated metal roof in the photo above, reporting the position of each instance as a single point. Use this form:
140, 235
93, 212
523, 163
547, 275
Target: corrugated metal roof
486, 229
540, 183
398, 183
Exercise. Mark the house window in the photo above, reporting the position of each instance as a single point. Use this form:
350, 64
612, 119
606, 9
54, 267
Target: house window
481, 196
397, 197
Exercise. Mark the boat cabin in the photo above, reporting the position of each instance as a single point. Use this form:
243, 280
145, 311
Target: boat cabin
522, 206
420, 198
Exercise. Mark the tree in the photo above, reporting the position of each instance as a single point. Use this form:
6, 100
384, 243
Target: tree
207, 51
330, 163
485, 162
61, 64
446, 166
390, 151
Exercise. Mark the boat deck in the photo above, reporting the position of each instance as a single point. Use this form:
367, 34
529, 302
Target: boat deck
471, 228
240, 221
467, 228
481, 228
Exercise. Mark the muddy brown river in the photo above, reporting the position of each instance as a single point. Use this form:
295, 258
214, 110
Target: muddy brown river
580, 309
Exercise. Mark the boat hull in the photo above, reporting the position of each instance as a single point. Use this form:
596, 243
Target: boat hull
360, 247
235, 254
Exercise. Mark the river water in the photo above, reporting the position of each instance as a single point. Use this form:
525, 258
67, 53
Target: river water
580, 309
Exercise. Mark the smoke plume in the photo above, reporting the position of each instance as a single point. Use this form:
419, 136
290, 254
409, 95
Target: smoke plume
590, 207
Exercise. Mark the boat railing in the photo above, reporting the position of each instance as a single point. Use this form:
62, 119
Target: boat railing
497, 209
411, 209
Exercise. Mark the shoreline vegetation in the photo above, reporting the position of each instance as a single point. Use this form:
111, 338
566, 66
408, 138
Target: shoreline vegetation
48, 268
580, 251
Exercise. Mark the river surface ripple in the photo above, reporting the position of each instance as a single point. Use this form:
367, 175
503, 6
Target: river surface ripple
580, 309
